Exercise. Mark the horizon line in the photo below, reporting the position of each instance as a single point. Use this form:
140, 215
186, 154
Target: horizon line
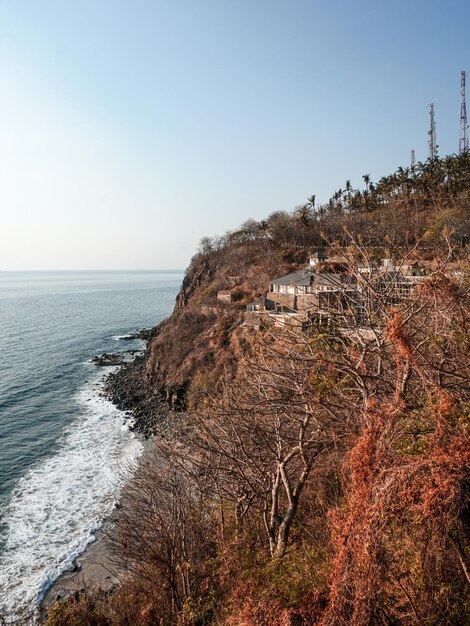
7, 271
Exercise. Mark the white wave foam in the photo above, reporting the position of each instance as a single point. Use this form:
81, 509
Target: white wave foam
60, 502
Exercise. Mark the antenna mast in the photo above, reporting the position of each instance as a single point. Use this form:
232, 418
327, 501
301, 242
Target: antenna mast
463, 143
413, 158
432, 133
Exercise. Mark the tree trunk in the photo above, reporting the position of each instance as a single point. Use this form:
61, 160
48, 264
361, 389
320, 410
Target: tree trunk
284, 530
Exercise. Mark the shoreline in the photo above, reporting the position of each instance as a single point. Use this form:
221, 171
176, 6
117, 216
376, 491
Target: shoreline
97, 565
151, 418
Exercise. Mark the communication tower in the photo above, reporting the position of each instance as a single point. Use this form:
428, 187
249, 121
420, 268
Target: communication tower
432, 144
463, 143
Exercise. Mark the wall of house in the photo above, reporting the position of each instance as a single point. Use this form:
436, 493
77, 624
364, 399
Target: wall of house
284, 299
283, 289
307, 301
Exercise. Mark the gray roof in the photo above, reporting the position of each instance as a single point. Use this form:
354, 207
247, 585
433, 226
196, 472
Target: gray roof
307, 278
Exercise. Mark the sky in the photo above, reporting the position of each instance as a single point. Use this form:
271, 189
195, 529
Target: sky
130, 129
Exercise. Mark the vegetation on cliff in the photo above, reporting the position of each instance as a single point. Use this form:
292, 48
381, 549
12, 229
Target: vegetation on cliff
323, 475
412, 207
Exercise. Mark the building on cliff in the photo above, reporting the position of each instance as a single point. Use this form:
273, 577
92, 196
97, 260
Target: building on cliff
225, 296
334, 289
263, 304
314, 292
319, 257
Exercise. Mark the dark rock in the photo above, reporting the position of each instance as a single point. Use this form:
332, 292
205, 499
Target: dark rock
109, 359
145, 403
143, 333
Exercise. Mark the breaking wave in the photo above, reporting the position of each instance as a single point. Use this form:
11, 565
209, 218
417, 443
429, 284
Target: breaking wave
61, 501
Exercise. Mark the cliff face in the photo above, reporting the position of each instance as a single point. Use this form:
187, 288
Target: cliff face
194, 277
202, 339
205, 336
179, 339
194, 344
156, 383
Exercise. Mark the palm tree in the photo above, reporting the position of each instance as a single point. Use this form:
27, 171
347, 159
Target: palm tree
304, 214
348, 190
311, 202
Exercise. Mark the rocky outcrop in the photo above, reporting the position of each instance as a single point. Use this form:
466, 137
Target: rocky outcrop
114, 358
143, 333
196, 274
130, 391
183, 351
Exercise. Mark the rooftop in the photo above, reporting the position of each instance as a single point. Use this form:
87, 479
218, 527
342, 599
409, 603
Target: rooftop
306, 278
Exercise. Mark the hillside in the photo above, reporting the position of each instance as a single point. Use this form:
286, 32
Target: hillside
400, 211
319, 473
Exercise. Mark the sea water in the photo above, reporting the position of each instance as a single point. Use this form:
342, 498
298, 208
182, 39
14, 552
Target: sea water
65, 451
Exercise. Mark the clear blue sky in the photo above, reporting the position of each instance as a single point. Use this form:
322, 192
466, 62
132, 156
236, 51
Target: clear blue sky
130, 129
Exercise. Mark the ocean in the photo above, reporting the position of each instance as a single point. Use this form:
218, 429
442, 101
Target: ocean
65, 451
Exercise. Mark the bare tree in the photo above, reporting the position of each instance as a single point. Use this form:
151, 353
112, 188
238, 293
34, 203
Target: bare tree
164, 533
259, 437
